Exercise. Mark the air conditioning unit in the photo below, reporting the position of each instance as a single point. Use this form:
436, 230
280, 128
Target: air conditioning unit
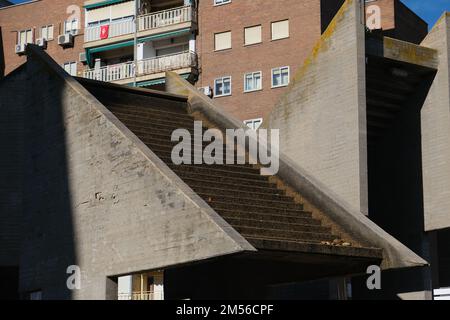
65, 40
42, 42
207, 91
20, 48
83, 58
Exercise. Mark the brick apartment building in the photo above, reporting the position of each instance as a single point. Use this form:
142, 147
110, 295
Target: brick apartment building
246, 60
43, 19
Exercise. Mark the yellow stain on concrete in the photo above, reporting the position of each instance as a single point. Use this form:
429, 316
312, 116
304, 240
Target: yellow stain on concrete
410, 53
322, 44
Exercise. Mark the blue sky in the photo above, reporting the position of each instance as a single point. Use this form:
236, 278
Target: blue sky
429, 10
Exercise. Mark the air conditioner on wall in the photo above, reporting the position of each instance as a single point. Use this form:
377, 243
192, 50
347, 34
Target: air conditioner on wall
42, 42
207, 91
20, 48
65, 39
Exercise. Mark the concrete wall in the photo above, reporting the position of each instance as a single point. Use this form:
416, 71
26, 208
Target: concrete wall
98, 198
322, 118
11, 162
436, 133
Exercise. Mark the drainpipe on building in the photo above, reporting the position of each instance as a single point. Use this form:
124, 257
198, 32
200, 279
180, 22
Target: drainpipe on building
136, 13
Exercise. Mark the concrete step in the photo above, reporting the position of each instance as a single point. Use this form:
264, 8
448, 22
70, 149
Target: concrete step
151, 113
244, 169
274, 224
145, 124
129, 105
167, 120
235, 190
269, 188
223, 171
219, 180
303, 218
277, 244
253, 201
217, 193
254, 206
284, 234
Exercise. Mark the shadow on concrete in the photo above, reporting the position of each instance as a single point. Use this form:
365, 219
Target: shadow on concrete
33, 102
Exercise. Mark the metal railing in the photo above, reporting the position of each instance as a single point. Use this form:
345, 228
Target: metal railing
165, 18
148, 66
111, 73
148, 295
145, 22
117, 28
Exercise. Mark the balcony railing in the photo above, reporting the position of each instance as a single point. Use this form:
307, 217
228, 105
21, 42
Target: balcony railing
117, 28
165, 18
144, 67
150, 295
145, 22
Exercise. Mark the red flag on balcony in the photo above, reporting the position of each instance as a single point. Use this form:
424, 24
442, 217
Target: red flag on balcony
104, 32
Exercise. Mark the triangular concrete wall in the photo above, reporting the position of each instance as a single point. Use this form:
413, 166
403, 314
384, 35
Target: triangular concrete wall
95, 196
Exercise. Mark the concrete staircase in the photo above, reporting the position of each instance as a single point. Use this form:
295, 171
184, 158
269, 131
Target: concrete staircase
253, 205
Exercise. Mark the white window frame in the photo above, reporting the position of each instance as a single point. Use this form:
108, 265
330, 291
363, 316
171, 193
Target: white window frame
252, 122
46, 37
215, 41
283, 84
281, 38
245, 35
221, 2
70, 66
25, 30
215, 86
72, 30
253, 78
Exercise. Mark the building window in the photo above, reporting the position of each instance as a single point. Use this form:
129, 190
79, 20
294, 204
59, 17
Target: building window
254, 123
280, 77
222, 87
25, 36
280, 30
71, 27
222, 41
252, 35
70, 68
253, 81
219, 2
47, 32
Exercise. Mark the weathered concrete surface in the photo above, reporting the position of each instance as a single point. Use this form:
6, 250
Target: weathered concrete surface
319, 197
11, 166
98, 198
410, 53
322, 117
436, 133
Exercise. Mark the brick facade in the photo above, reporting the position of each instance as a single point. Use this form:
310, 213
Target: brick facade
36, 14
305, 28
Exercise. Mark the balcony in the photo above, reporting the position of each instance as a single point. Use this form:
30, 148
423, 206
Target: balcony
116, 29
147, 295
146, 23
125, 72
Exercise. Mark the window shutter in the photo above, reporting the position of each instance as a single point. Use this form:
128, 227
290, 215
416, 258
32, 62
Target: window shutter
223, 40
253, 35
280, 30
